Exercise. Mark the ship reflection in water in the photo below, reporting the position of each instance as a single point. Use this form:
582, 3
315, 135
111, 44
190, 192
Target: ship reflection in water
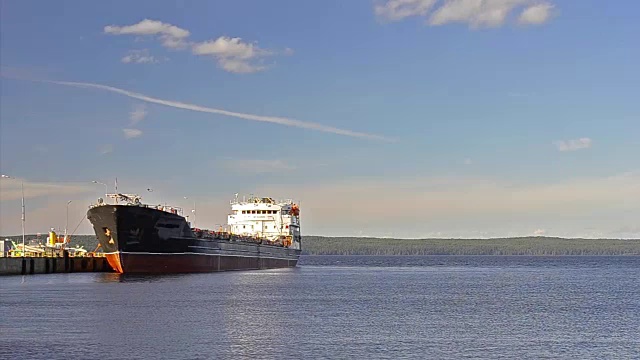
133, 278
243, 277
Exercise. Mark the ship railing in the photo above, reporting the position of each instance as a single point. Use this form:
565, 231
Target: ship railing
260, 200
277, 240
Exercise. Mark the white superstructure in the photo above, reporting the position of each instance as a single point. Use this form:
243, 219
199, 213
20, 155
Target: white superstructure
276, 221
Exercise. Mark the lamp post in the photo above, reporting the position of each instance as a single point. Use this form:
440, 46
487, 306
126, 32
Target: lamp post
159, 197
23, 217
67, 222
106, 190
193, 211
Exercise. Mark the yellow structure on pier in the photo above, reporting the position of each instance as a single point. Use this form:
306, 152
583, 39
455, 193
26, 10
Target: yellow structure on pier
52, 239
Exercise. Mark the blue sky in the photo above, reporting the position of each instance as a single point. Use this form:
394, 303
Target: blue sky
439, 118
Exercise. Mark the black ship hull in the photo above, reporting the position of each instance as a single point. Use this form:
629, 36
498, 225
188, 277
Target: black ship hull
139, 239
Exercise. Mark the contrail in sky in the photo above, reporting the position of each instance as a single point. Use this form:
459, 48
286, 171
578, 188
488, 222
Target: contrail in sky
192, 107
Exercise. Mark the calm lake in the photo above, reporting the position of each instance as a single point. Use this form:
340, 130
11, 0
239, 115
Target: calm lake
356, 307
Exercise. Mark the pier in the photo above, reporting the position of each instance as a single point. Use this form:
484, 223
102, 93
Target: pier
54, 256
50, 265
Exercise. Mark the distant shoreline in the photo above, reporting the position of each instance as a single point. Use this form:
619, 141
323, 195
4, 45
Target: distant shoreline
543, 246
526, 246
471, 255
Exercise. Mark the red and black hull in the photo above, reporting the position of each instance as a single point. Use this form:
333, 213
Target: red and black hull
190, 263
138, 239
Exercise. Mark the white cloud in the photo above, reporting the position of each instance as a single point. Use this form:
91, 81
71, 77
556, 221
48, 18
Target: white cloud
139, 57
394, 10
105, 149
226, 47
487, 13
192, 107
232, 54
257, 165
239, 66
475, 13
171, 36
536, 14
573, 145
132, 133
138, 114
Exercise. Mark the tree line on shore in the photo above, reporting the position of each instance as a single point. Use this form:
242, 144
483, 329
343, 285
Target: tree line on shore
324, 245
321, 245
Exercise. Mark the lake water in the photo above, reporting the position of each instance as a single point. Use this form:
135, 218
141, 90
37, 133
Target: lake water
337, 307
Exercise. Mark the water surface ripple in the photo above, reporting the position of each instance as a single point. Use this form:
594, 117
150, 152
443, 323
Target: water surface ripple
360, 307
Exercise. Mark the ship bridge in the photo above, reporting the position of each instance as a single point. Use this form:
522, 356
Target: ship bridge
265, 217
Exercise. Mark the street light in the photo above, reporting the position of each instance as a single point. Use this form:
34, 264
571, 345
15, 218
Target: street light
193, 211
159, 197
106, 190
23, 217
67, 223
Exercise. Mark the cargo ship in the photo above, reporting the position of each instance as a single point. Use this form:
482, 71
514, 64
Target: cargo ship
261, 233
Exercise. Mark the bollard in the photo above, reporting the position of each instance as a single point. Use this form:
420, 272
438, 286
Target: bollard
66, 260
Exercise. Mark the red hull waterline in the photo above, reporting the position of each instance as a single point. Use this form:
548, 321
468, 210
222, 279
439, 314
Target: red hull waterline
190, 263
